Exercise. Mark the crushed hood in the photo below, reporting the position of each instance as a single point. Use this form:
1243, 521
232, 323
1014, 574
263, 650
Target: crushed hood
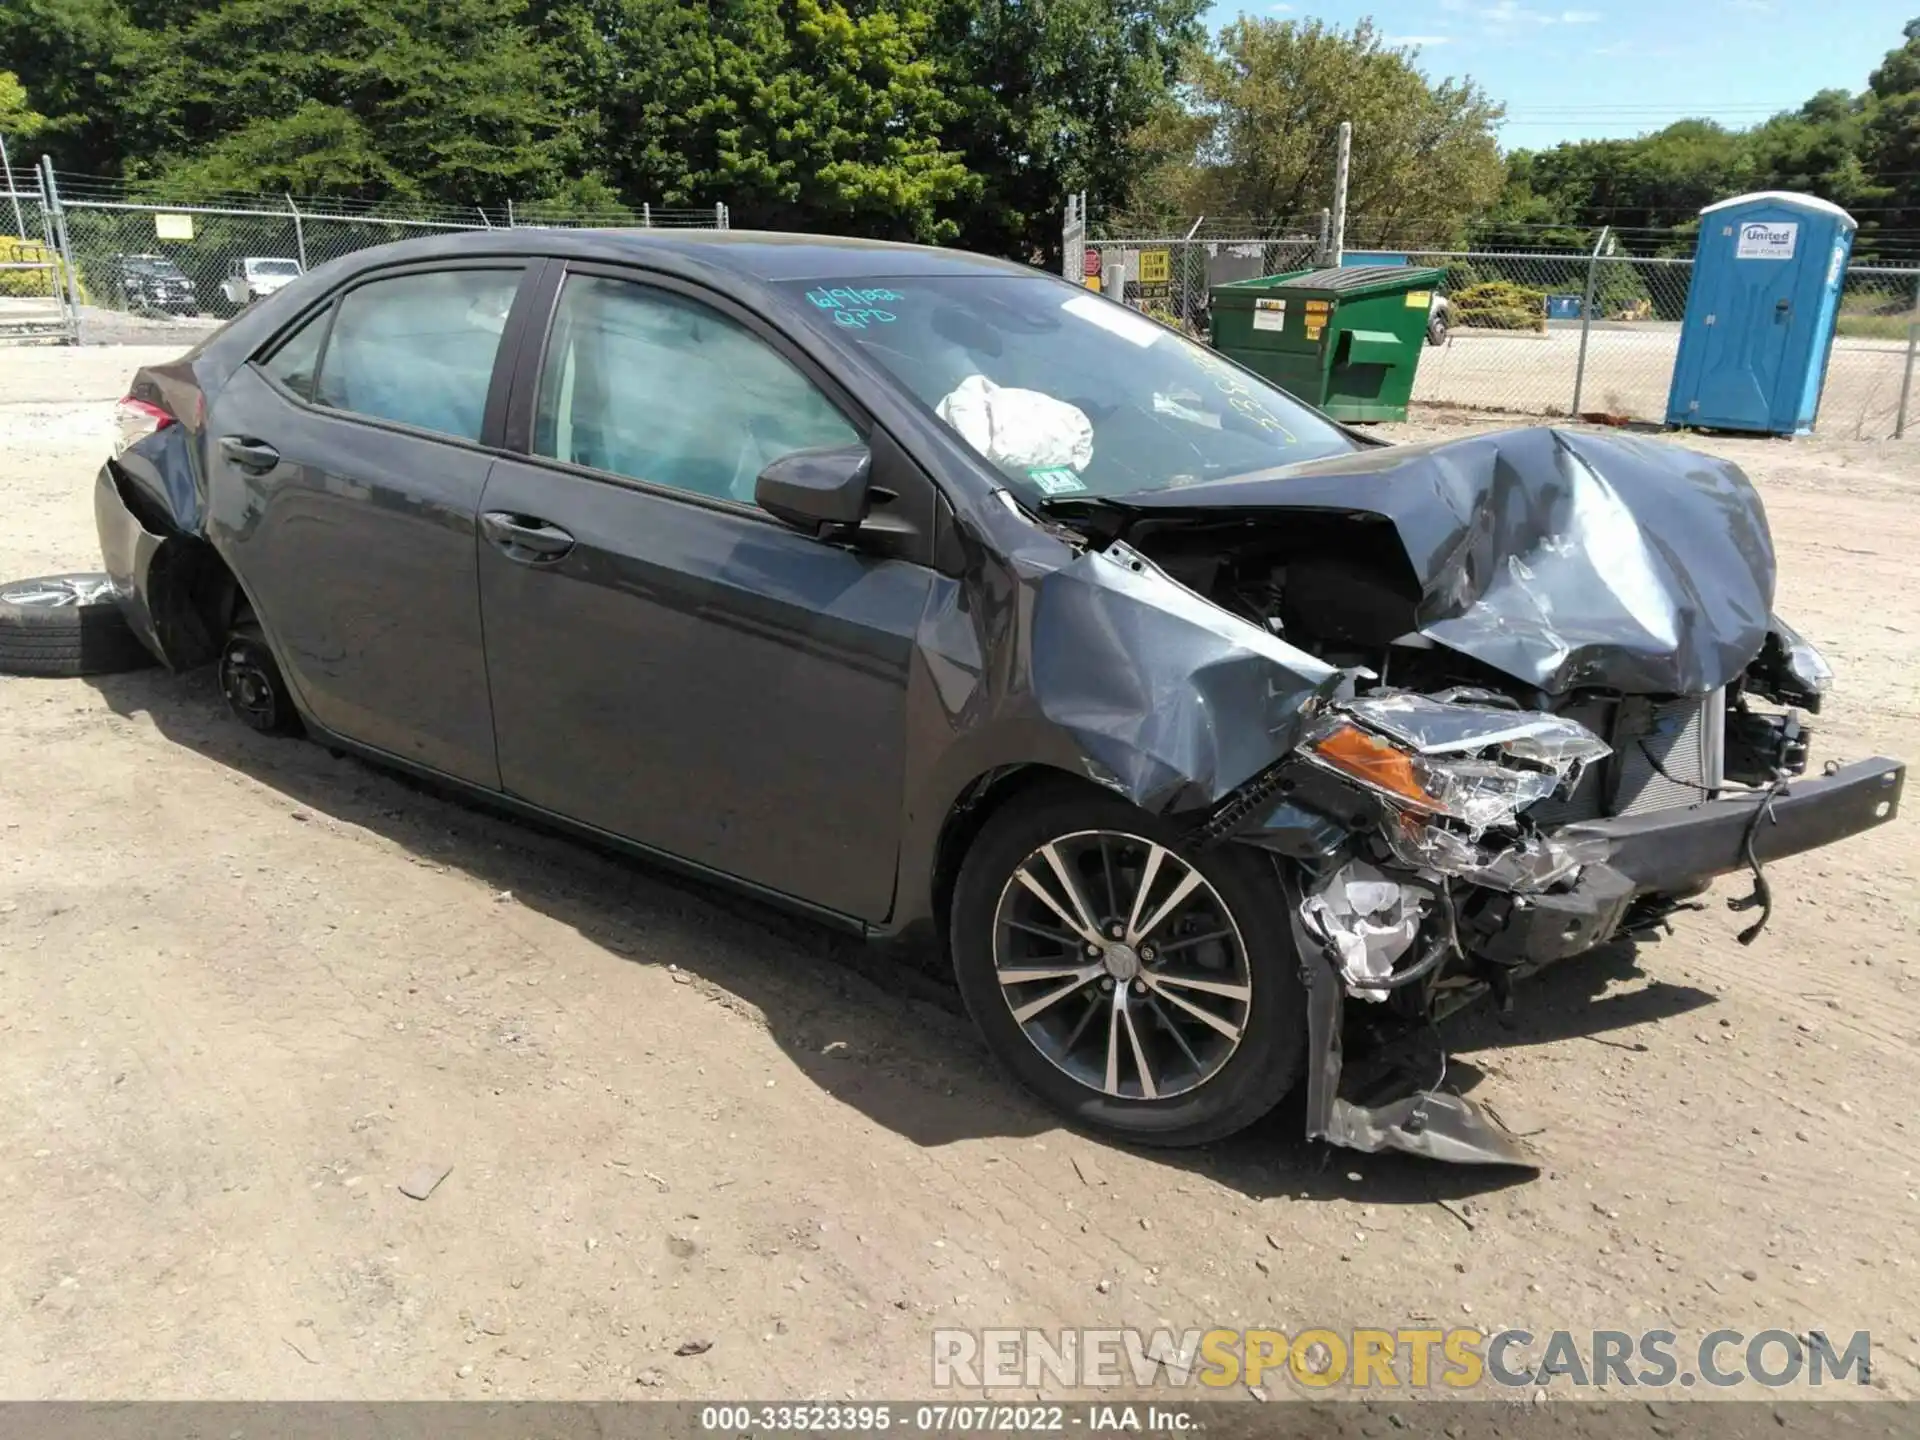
1563, 560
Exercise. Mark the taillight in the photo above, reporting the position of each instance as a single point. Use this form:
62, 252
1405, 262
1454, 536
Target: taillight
135, 420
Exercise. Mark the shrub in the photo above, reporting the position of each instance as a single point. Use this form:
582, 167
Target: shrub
1500, 305
37, 284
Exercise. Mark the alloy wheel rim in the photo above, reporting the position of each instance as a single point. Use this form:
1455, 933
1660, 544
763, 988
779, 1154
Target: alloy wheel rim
59, 592
1122, 965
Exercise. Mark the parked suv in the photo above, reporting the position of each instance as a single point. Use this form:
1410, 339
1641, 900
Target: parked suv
252, 276
152, 282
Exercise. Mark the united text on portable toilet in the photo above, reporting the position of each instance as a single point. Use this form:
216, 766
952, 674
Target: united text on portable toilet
1760, 313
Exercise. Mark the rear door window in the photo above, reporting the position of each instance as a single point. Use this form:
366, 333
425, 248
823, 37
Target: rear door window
418, 349
292, 364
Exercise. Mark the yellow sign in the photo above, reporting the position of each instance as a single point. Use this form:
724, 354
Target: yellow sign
1155, 268
1093, 283
1419, 299
173, 227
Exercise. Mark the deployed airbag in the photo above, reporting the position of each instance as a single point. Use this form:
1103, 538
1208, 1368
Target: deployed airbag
1019, 429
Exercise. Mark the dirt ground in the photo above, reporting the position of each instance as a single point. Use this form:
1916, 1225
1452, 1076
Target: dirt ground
1629, 372
247, 989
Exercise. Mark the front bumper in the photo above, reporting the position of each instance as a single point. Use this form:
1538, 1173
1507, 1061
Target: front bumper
1672, 851
156, 577
1677, 852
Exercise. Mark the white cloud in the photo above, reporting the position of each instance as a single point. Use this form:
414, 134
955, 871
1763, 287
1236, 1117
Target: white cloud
1278, 9
1425, 41
1511, 12
1579, 17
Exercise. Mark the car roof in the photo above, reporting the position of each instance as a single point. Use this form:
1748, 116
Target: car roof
760, 255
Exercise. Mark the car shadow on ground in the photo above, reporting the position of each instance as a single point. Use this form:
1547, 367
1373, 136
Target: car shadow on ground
878, 1027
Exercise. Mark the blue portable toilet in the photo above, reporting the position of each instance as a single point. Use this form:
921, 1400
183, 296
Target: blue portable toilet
1760, 313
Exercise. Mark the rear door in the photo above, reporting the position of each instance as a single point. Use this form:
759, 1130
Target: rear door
348, 463
669, 663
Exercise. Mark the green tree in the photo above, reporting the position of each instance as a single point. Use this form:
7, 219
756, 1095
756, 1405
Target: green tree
1817, 149
18, 119
1049, 98
1891, 138
792, 112
79, 60
1653, 183
448, 99
1270, 95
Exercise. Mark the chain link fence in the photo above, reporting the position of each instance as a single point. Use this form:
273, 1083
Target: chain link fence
1870, 369
1555, 334
123, 262
1543, 333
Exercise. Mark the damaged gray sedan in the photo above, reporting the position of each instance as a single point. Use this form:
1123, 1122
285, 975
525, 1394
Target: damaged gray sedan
931, 595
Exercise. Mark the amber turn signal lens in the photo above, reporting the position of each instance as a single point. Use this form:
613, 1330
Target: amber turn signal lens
1374, 761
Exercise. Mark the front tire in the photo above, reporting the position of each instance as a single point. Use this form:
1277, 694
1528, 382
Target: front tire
1157, 998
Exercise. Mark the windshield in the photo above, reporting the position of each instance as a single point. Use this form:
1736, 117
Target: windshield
1066, 393
274, 267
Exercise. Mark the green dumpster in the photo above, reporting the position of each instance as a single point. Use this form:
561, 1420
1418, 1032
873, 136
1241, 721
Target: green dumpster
1346, 340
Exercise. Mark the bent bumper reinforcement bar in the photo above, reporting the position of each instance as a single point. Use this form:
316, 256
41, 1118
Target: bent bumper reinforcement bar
1673, 850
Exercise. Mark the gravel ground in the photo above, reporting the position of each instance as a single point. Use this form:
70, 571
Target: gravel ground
246, 989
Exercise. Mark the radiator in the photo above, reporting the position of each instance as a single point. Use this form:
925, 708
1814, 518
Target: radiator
1685, 736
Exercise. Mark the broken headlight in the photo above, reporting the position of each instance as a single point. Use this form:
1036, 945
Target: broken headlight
1804, 662
1789, 670
1473, 763
1460, 775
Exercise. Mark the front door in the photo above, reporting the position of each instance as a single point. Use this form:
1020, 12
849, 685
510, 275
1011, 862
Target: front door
346, 480
667, 662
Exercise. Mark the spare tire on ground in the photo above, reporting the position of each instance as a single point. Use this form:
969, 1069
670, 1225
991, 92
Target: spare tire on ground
65, 625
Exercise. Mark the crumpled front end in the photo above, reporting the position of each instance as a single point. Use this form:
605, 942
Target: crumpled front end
1443, 872
1522, 693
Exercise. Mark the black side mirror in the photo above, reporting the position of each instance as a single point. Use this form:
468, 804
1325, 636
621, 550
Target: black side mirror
817, 491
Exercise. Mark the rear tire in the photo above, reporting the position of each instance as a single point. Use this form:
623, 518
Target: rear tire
251, 682
1121, 1053
66, 625
1437, 330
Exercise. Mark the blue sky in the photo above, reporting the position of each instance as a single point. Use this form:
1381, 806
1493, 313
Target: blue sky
1584, 69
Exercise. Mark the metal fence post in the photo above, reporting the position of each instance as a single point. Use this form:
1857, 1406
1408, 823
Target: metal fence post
70, 291
510, 220
646, 214
1906, 381
1342, 163
299, 231
719, 216
1586, 320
